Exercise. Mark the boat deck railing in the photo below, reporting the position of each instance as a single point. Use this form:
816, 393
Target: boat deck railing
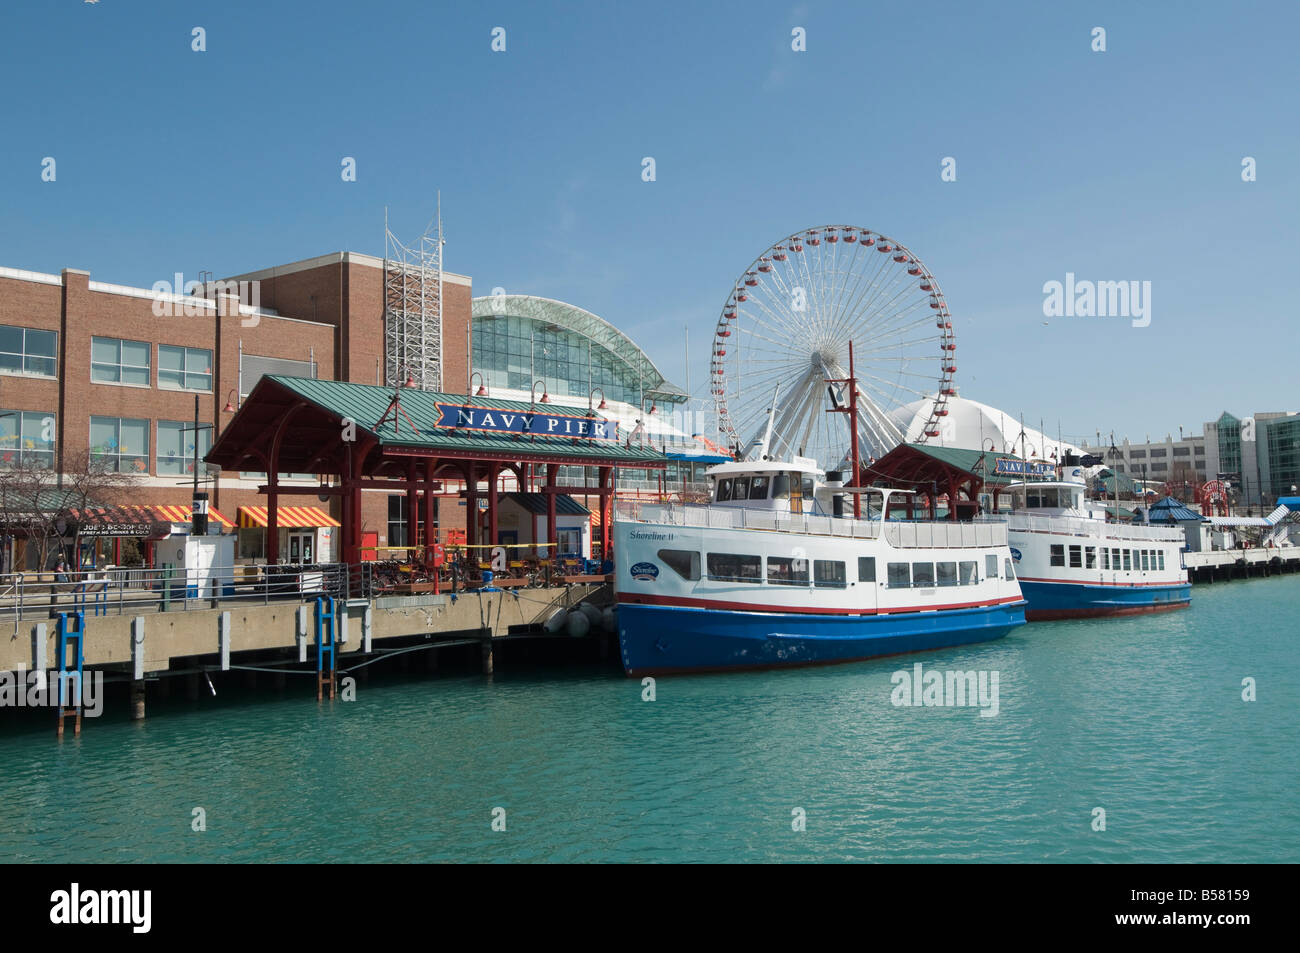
1092, 529
937, 534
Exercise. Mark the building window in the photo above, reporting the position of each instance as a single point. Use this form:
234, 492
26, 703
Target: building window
184, 368
26, 438
1200, 451
1159, 467
1158, 454
1138, 454
1182, 451
398, 512
829, 574
119, 362
28, 351
121, 443
176, 446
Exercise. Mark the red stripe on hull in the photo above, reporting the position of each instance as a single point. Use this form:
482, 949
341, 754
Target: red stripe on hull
642, 599
1053, 615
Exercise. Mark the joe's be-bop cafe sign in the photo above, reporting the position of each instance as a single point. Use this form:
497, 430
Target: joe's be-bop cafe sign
494, 419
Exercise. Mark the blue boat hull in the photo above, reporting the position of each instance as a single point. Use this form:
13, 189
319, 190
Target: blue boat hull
1064, 600
664, 639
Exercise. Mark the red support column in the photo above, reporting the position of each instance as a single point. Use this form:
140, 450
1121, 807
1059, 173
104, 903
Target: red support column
494, 476
552, 536
272, 515
430, 537
471, 506
412, 509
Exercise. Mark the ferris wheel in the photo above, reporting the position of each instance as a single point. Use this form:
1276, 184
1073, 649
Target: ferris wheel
785, 330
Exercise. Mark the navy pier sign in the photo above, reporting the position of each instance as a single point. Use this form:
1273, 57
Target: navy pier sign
493, 419
1022, 468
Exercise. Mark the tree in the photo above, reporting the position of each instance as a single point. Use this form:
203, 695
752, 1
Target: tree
40, 504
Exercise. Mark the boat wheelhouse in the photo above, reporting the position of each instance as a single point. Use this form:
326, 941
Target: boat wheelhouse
774, 572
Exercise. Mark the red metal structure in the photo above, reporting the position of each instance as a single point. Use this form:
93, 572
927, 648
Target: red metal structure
1213, 497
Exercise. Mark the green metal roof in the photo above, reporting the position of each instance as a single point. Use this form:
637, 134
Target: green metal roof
979, 462
366, 404
599, 331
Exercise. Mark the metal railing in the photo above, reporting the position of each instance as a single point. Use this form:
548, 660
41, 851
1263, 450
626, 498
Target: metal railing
119, 590
1092, 529
936, 534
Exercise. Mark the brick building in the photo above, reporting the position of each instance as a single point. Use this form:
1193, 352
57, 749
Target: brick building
116, 370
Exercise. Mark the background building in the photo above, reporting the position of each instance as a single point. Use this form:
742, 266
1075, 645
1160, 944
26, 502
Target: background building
117, 372
1260, 454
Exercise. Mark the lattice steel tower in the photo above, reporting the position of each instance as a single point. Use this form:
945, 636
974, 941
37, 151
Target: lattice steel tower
413, 308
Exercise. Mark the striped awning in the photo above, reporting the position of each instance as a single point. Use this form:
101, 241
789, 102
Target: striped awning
304, 517
135, 519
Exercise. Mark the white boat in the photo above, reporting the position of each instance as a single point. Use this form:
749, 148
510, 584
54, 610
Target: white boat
1072, 561
774, 571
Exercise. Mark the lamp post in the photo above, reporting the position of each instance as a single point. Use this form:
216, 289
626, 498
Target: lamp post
482, 385
602, 405
546, 398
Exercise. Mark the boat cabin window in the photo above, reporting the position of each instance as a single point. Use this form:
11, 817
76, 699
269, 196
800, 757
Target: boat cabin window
1010, 573
900, 575
807, 488
683, 562
781, 486
866, 569
1162, 559
1058, 557
758, 487
1090, 557
1128, 560
922, 575
946, 573
734, 567
724, 490
991, 566
1076, 557
829, 574
969, 573
787, 571
740, 488
1114, 559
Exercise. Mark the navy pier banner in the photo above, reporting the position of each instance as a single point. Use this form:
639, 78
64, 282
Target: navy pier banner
1022, 468
464, 417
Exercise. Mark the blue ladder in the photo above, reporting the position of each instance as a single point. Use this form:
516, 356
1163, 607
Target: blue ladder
71, 632
325, 646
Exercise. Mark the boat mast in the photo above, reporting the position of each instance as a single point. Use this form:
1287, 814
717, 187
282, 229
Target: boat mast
852, 411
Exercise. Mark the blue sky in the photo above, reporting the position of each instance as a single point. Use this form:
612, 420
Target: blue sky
1122, 165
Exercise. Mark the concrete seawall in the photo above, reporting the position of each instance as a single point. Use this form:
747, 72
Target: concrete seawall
151, 642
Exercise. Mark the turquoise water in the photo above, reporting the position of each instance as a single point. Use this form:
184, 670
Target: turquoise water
1140, 716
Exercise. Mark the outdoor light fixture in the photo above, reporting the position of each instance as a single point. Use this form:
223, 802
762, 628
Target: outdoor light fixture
230, 407
482, 384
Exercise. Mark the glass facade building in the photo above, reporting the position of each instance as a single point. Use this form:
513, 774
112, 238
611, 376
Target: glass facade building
517, 340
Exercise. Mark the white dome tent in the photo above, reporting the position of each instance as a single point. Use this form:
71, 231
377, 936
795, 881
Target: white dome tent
970, 425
